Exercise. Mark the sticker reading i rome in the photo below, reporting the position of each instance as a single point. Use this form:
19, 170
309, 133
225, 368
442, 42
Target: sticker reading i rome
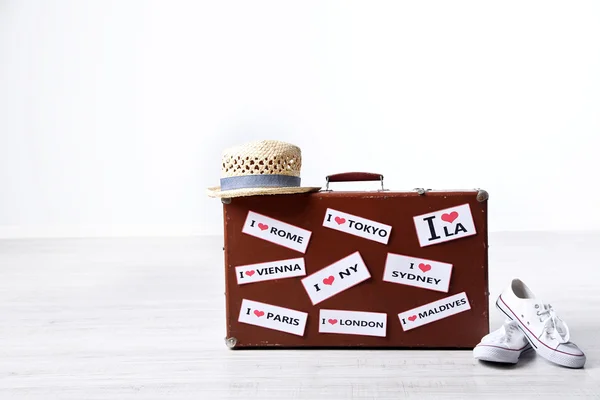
273, 317
277, 232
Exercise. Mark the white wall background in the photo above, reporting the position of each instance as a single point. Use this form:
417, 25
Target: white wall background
113, 114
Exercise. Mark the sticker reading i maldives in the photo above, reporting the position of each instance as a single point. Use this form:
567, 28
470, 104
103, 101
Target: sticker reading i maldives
434, 311
273, 317
444, 225
334, 279
419, 272
275, 231
357, 226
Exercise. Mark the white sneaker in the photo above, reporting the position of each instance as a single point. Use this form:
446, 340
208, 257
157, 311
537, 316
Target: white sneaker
547, 333
504, 345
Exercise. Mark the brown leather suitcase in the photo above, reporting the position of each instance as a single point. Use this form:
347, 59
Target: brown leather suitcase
426, 260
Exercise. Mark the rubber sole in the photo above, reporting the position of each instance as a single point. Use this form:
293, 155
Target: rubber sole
550, 354
498, 354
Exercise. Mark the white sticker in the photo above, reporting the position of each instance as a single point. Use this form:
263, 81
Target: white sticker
357, 226
419, 272
336, 278
277, 232
444, 225
273, 317
270, 270
435, 311
352, 322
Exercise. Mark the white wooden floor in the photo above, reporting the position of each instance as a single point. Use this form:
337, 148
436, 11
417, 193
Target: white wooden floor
144, 319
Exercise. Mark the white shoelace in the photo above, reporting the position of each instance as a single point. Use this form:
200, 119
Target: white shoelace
508, 329
554, 324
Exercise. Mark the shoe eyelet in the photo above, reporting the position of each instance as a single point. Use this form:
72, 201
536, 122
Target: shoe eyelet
522, 316
537, 306
527, 322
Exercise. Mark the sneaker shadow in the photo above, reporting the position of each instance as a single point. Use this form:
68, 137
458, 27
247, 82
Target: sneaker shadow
526, 358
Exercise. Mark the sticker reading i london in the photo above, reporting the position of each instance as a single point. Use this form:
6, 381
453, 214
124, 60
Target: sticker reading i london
352, 322
276, 231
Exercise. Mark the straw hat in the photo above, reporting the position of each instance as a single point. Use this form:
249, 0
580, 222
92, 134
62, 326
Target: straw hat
260, 168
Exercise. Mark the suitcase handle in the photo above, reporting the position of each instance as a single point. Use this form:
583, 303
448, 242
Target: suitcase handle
353, 177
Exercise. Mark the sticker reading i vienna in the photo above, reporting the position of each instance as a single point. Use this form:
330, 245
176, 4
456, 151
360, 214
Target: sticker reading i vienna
270, 271
275, 231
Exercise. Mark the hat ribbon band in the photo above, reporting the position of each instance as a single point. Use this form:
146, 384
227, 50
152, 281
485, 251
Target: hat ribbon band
259, 181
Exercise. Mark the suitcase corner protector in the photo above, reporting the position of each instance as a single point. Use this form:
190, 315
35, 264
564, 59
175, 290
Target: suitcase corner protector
482, 195
231, 342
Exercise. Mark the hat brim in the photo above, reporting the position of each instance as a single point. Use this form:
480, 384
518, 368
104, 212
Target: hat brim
217, 192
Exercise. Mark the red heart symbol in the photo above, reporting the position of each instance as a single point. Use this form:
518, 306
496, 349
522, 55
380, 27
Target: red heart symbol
328, 281
263, 226
250, 273
333, 321
340, 220
412, 318
450, 217
424, 267
259, 313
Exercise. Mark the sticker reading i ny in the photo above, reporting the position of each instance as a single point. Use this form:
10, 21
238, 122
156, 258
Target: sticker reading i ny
334, 279
357, 226
275, 231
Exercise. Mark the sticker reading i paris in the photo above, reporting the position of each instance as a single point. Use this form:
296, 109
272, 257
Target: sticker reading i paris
273, 317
